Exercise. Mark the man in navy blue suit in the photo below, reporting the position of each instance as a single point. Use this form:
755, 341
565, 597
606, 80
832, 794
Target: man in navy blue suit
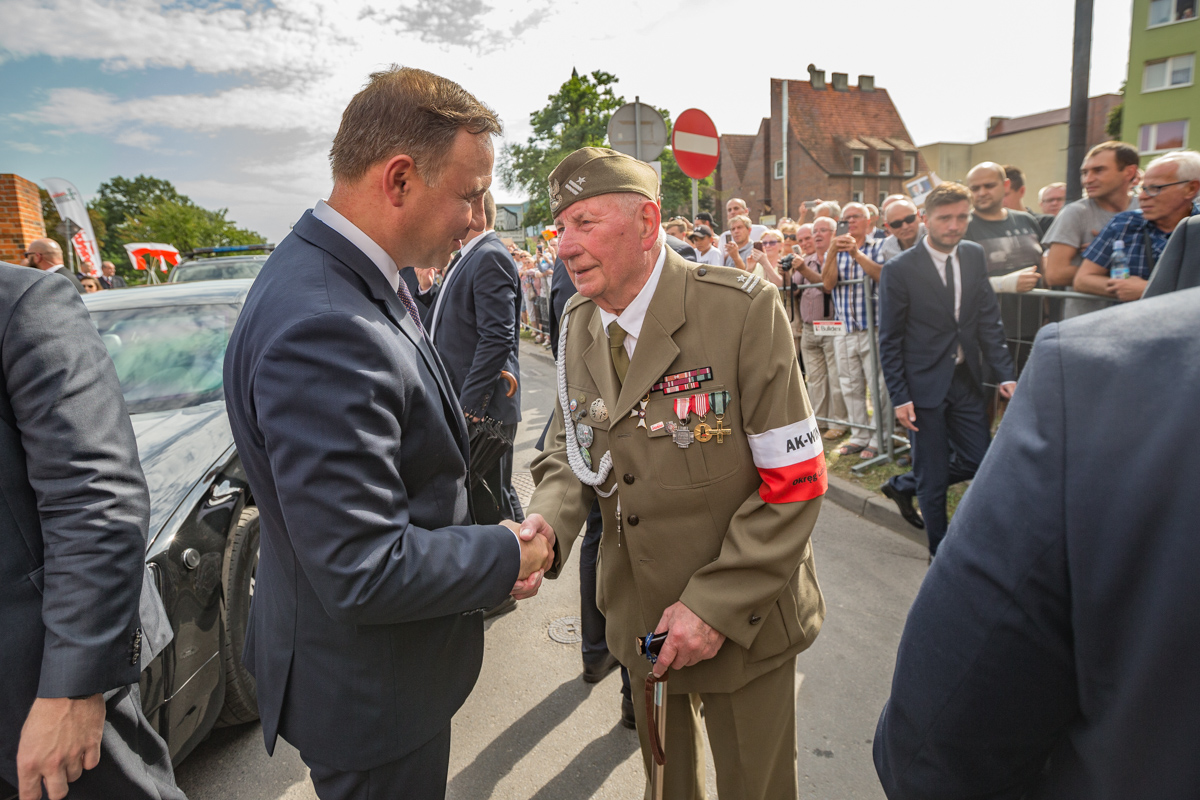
1052, 650
363, 634
938, 322
475, 323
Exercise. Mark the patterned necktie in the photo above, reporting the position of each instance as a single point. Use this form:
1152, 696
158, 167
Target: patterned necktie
410, 306
616, 346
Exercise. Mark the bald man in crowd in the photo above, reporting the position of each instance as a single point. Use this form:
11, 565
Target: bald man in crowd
46, 255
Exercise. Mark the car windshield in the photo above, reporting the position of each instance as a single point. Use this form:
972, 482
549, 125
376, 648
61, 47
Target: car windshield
167, 357
225, 269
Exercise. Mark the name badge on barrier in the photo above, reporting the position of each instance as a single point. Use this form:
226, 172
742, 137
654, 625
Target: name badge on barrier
829, 327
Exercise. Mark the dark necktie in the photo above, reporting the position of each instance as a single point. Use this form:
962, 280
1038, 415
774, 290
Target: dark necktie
616, 346
410, 306
950, 283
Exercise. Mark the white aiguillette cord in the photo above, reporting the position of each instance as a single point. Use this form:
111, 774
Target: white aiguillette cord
574, 457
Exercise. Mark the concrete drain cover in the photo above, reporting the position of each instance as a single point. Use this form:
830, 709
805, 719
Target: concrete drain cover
567, 630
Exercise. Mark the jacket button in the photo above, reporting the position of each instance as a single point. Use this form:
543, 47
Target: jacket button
628, 478
633, 519
755, 619
702, 272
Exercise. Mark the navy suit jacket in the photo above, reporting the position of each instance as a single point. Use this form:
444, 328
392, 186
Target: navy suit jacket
361, 636
478, 329
918, 335
1053, 649
73, 509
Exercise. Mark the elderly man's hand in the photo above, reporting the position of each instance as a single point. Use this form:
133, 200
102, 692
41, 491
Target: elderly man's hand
60, 739
1126, 289
690, 641
845, 243
533, 528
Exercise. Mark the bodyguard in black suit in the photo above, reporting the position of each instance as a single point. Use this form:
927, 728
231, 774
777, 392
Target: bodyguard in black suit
46, 255
1052, 651
362, 634
475, 325
76, 617
938, 322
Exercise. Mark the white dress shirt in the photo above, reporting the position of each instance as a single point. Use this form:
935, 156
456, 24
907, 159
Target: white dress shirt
634, 315
379, 257
436, 313
939, 263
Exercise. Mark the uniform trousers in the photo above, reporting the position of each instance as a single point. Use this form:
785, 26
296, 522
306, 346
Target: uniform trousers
824, 385
591, 621
855, 366
419, 775
134, 761
752, 732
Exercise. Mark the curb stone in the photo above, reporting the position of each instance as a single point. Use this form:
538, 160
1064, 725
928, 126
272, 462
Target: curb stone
867, 504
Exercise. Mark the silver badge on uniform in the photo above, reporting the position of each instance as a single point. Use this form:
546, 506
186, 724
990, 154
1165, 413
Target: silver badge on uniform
584, 434
599, 411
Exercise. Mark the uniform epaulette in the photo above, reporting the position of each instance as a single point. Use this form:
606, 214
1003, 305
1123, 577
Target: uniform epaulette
732, 277
575, 302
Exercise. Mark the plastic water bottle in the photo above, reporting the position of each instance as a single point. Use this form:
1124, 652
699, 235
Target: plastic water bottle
1118, 267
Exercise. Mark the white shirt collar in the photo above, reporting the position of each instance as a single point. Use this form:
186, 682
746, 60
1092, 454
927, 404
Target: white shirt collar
634, 315
469, 246
353, 234
939, 258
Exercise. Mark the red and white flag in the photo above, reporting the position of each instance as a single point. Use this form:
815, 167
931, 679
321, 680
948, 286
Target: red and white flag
791, 462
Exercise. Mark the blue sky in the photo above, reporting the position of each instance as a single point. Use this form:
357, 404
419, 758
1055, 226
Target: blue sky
236, 103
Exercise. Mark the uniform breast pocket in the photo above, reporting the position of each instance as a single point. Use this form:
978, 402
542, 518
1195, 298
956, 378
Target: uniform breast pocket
700, 463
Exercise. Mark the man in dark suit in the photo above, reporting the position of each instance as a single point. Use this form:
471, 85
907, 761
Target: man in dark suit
362, 637
46, 255
938, 323
109, 279
475, 324
1052, 649
76, 616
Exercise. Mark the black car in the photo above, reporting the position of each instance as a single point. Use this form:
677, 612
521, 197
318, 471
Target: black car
168, 344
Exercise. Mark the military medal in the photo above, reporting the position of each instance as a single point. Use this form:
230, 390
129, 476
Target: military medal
587, 457
583, 433
683, 408
680, 433
720, 402
683, 381
599, 412
574, 404
640, 411
703, 431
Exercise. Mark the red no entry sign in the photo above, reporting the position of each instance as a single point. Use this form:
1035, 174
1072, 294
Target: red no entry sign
695, 143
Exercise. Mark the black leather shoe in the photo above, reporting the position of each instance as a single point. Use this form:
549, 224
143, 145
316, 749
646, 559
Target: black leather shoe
904, 502
596, 671
503, 607
627, 718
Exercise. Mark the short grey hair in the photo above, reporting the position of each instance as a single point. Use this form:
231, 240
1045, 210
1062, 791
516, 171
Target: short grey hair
824, 222
830, 207
1056, 185
1187, 164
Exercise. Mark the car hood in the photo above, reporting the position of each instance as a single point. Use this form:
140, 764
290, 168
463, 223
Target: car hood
177, 449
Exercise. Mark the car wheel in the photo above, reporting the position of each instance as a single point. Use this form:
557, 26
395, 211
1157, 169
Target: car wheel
241, 565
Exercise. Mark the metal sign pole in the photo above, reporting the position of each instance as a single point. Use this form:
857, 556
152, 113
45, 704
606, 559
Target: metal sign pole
695, 198
637, 128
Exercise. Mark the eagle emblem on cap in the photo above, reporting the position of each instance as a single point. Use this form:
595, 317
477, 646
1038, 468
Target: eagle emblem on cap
555, 194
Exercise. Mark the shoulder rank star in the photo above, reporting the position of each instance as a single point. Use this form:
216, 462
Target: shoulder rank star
640, 412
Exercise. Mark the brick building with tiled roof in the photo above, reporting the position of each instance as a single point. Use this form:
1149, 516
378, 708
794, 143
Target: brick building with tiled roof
844, 142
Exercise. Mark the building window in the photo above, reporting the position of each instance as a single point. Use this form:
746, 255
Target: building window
885, 164
856, 197
910, 165
779, 170
857, 164
882, 196
1168, 73
1164, 12
1162, 136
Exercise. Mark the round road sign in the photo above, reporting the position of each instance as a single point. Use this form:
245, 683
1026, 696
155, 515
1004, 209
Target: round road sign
696, 144
623, 131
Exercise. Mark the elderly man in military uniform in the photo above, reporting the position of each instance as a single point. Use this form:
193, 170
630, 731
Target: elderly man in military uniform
681, 407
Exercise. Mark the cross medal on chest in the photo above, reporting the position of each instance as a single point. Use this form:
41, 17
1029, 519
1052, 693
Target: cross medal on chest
719, 402
680, 433
640, 412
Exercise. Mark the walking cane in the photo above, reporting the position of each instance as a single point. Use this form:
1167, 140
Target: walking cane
656, 712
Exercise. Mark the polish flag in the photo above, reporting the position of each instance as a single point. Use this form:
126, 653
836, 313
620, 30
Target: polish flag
791, 462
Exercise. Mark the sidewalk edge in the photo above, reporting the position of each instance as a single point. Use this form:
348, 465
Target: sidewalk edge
873, 507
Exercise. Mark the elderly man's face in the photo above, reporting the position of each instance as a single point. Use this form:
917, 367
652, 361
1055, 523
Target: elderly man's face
1167, 200
987, 190
1053, 199
909, 221
602, 242
741, 234
858, 220
823, 233
804, 238
733, 208
108, 269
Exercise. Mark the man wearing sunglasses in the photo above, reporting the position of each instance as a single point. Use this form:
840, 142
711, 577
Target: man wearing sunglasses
1167, 196
47, 255
904, 226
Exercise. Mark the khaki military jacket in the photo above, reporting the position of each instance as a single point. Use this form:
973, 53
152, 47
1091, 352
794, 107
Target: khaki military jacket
722, 525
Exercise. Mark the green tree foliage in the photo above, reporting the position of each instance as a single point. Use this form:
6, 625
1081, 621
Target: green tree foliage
1112, 125
577, 116
185, 225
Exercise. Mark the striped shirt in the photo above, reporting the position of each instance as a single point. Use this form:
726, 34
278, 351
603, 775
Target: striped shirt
1132, 229
850, 302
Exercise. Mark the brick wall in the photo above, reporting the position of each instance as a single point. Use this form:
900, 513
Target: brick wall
20, 216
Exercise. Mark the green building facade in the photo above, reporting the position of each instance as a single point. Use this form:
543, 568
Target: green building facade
1162, 98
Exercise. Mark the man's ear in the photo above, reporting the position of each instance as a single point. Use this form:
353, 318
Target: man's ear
651, 223
399, 176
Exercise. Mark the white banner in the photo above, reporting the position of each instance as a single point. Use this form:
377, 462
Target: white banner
70, 206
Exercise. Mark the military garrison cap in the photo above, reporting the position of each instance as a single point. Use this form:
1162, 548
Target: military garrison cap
592, 171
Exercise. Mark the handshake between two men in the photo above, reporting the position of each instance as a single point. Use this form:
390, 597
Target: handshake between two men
690, 639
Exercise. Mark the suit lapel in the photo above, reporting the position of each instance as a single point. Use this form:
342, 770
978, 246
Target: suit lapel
934, 281
599, 362
656, 350
321, 235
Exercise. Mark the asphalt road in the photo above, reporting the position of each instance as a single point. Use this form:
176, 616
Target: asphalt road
533, 729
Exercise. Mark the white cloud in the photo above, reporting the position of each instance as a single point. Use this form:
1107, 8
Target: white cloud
134, 137
26, 147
